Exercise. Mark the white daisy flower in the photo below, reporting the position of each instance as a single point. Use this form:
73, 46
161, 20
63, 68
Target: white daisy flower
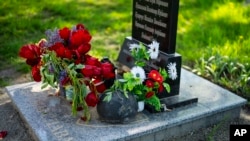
172, 71
153, 50
134, 47
139, 72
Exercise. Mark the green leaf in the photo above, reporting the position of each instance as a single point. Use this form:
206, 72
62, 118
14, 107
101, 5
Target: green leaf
155, 102
127, 75
138, 92
140, 63
125, 93
167, 87
130, 86
44, 85
74, 73
164, 73
79, 66
71, 66
122, 80
108, 97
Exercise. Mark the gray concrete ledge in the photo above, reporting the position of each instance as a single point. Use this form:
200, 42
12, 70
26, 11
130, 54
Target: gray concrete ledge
49, 118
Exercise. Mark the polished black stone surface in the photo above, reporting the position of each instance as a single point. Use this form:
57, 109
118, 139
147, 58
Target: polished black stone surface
172, 64
156, 20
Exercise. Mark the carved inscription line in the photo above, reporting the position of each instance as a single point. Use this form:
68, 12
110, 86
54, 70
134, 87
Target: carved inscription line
58, 130
158, 2
151, 10
150, 29
54, 125
149, 19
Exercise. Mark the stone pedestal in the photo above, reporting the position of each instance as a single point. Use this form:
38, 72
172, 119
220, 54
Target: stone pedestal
49, 118
172, 64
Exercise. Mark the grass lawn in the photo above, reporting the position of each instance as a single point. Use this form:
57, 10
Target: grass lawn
213, 35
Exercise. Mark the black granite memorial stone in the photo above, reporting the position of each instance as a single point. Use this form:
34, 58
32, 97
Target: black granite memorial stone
156, 20
172, 64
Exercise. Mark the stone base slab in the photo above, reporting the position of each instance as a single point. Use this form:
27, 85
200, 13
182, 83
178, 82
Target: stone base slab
49, 118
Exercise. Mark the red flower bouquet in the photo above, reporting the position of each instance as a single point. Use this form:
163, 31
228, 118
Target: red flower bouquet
62, 60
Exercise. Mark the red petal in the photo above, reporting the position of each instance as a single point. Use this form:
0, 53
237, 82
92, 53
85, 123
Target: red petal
64, 33
156, 76
149, 83
3, 134
28, 51
84, 48
92, 61
83, 118
107, 70
149, 94
91, 99
100, 87
87, 71
80, 26
36, 74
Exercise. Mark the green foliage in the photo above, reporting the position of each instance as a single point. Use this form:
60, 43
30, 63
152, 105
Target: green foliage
108, 96
51, 69
213, 39
213, 24
155, 102
133, 84
140, 55
227, 72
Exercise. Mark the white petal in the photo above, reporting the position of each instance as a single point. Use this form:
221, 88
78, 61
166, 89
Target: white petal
139, 73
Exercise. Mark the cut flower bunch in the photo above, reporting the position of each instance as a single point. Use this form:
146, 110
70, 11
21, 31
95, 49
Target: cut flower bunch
62, 60
145, 84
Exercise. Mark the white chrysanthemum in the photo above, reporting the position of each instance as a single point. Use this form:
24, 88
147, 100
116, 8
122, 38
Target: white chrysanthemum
153, 50
172, 71
139, 73
134, 47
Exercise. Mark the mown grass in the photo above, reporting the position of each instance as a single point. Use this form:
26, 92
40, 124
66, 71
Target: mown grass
206, 28
220, 25
22, 22
213, 39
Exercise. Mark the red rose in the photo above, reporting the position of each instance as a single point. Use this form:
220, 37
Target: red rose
64, 33
107, 70
99, 84
91, 99
55, 46
96, 71
87, 71
149, 94
92, 61
80, 26
61, 51
36, 73
156, 76
79, 37
33, 62
149, 83
67, 53
30, 51
83, 49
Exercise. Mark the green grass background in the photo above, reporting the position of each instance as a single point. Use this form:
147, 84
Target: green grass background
206, 28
